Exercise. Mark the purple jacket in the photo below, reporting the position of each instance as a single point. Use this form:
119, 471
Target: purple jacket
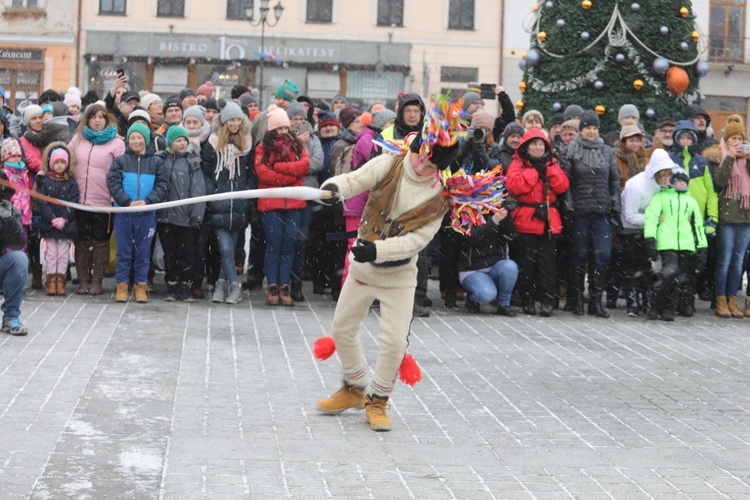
363, 151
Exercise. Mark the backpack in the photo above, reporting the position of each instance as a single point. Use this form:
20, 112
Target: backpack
344, 165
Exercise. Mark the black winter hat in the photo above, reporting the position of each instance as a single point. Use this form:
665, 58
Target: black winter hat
557, 119
679, 176
49, 95
589, 119
238, 90
210, 104
173, 102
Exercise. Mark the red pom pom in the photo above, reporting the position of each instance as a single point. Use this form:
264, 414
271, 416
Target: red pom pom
409, 373
324, 347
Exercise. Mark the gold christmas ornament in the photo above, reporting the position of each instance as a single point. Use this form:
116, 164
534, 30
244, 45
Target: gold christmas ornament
523, 55
600, 109
586, 4
520, 105
522, 86
684, 12
542, 36
637, 84
535, 8
695, 36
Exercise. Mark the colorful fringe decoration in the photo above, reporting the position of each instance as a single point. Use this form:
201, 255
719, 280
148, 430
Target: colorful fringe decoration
394, 146
473, 196
442, 124
409, 372
323, 348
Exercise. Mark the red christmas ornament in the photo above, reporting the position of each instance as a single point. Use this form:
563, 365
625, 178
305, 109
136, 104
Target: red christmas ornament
323, 348
409, 373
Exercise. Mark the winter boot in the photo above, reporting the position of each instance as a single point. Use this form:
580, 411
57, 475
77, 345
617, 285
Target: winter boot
529, 307
51, 284
272, 299
722, 309
171, 294
141, 293
36, 276
83, 265
631, 302
60, 289
579, 277
196, 290
297, 294
472, 306
220, 291
734, 308
99, 258
375, 411
235, 293
185, 293
285, 296
546, 308
121, 295
349, 396
747, 308
596, 288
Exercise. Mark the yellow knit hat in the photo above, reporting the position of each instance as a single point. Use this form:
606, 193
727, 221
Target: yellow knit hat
734, 126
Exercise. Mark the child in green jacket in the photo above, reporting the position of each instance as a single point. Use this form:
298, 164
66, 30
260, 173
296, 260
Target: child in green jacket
675, 233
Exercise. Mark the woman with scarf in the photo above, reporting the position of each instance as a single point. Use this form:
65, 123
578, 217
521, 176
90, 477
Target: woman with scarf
732, 181
535, 179
280, 161
197, 128
95, 147
224, 162
595, 195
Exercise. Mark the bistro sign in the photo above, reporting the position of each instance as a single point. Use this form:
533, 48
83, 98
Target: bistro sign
20, 55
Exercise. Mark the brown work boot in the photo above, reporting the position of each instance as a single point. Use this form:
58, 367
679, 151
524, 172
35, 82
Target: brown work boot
272, 299
285, 296
349, 396
734, 308
141, 292
60, 289
722, 309
747, 308
51, 284
375, 410
121, 295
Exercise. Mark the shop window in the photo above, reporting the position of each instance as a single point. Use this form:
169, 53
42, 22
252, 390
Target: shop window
319, 11
112, 7
390, 13
236, 8
26, 3
461, 14
726, 31
170, 8
460, 75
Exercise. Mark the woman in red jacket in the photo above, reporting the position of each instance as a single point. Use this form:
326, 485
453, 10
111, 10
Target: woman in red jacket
535, 179
280, 161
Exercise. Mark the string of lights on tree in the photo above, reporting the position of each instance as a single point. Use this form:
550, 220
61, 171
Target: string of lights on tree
601, 54
92, 58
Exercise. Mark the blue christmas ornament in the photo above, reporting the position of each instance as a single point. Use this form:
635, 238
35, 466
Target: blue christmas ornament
522, 65
701, 68
684, 46
650, 113
598, 85
664, 31
557, 106
620, 58
660, 66
532, 58
635, 7
585, 36
560, 23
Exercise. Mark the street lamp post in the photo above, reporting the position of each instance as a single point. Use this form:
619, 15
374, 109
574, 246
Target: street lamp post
278, 10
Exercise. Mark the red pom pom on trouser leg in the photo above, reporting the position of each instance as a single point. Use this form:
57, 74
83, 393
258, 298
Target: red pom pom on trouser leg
323, 348
409, 373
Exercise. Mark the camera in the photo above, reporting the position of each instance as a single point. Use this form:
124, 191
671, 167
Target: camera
746, 149
478, 134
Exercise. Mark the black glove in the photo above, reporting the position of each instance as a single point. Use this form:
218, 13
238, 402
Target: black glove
540, 166
653, 253
6, 209
365, 251
334, 194
701, 257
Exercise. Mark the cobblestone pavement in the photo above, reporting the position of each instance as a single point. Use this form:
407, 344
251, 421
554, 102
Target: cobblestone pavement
107, 400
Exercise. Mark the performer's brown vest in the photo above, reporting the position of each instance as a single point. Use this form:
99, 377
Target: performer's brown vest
376, 223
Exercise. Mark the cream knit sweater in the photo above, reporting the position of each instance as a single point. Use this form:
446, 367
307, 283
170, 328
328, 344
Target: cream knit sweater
413, 191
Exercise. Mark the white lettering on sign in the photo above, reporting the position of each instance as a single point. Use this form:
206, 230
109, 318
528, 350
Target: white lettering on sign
225, 51
187, 48
284, 51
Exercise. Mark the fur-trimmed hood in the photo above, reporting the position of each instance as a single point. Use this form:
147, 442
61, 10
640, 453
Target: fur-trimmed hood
712, 154
245, 129
48, 151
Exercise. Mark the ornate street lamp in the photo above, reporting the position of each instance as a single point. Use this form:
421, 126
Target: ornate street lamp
278, 10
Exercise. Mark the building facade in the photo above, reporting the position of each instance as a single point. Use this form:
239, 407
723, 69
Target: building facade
368, 50
37, 48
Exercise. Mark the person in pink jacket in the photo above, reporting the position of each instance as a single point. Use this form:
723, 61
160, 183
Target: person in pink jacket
95, 145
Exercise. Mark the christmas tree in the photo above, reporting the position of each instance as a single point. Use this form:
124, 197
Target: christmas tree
601, 54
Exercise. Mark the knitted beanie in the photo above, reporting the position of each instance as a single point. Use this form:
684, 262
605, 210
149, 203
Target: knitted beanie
175, 132
185, 93
141, 129
339, 97
139, 114
571, 124
326, 118
277, 117
470, 97
348, 114
287, 90
210, 104
207, 89
10, 147
628, 110
381, 117
513, 128
589, 119
172, 102
734, 126
149, 99
532, 112
72, 100
482, 119
197, 111
238, 90
231, 110
296, 109
629, 129
30, 112
571, 111
59, 154
557, 119
247, 99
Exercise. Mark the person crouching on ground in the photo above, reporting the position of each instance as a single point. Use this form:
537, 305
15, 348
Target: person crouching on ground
136, 178
402, 214
14, 264
58, 227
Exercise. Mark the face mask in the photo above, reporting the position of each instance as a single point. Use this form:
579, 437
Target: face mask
18, 165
